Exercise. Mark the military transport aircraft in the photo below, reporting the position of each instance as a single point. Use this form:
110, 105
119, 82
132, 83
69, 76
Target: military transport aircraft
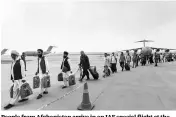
34, 53
6, 59
3, 51
146, 51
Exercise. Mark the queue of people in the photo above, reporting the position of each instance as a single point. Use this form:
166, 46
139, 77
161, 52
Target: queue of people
18, 68
125, 61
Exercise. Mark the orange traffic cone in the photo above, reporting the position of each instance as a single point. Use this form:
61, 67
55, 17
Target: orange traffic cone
86, 104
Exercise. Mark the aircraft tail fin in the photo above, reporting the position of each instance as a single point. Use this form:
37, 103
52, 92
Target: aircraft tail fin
50, 48
144, 41
3, 51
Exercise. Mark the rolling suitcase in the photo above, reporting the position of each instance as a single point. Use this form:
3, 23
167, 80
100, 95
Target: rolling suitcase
36, 82
127, 67
46, 81
60, 77
71, 80
93, 72
25, 90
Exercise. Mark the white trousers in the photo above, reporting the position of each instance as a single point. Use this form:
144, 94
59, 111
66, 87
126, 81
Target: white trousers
16, 94
42, 89
65, 78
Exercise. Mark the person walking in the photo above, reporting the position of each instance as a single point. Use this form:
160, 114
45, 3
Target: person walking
23, 57
106, 70
66, 68
17, 74
128, 58
85, 65
122, 60
156, 57
134, 58
42, 71
113, 63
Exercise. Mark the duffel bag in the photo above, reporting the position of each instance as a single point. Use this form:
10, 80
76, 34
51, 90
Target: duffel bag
25, 90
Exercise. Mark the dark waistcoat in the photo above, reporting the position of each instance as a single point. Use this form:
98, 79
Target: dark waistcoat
17, 71
66, 64
42, 65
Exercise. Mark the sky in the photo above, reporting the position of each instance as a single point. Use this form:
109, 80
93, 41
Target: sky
92, 26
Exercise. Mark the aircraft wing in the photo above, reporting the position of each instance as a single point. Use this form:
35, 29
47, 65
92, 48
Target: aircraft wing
132, 49
162, 48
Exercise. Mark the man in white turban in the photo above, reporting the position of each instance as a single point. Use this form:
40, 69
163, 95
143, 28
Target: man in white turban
17, 74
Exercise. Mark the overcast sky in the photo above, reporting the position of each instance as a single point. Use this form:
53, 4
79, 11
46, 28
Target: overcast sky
89, 26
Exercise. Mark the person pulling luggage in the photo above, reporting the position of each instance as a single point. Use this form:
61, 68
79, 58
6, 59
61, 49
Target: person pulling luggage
17, 74
42, 71
66, 68
85, 65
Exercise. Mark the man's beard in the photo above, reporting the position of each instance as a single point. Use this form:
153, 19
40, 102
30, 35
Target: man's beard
14, 58
40, 55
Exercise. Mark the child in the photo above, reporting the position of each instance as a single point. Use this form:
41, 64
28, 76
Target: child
106, 71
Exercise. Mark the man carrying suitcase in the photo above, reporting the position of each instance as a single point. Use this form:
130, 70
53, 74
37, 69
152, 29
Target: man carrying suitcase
17, 74
42, 71
66, 68
85, 65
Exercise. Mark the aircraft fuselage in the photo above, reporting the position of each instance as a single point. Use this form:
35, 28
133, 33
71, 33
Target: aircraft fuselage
34, 53
146, 51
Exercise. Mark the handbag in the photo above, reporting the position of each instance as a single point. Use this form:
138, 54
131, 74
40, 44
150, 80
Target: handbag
60, 77
46, 81
36, 82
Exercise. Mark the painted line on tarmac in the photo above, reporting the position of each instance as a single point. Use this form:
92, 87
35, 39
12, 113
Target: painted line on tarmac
60, 97
161, 101
98, 97
102, 91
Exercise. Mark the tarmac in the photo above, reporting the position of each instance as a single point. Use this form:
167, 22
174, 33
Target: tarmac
142, 88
